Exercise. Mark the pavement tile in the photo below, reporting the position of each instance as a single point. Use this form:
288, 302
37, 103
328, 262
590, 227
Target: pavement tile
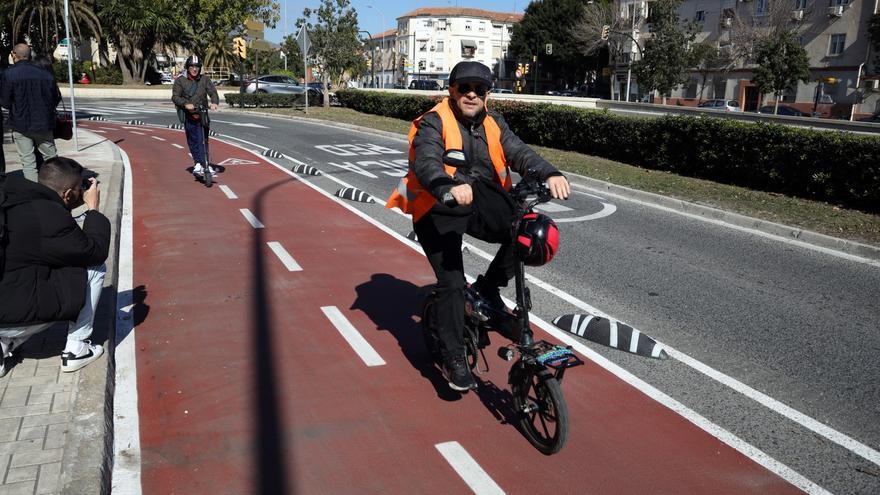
32, 433
55, 436
24, 369
66, 377
61, 402
23, 473
19, 411
23, 488
21, 446
38, 457
15, 397
40, 399
50, 476
27, 381
4, 461
51, 388
45, 419
9, 430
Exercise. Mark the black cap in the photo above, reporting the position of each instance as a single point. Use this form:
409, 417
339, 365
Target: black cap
467, 71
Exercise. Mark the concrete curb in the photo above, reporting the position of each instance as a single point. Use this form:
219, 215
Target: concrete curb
86, 466
776, 229
163, 93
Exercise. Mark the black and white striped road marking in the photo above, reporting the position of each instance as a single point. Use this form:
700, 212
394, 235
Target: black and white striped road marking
611, 333
97, 117
412, 236
135, 122
305, 169
355, 194
213, 134
175, 126
272, 153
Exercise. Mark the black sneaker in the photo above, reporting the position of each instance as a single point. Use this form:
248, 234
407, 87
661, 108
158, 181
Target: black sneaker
458, 373
490, 294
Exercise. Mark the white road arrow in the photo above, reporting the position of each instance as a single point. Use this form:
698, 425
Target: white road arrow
246, 124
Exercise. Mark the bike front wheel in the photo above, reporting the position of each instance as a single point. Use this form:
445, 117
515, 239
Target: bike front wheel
208, 177
543, 412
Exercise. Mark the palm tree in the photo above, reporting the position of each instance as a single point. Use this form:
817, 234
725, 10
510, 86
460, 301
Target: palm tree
218, 52
42, 22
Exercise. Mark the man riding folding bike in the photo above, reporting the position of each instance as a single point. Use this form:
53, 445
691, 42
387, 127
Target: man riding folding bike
460, 153
190, 93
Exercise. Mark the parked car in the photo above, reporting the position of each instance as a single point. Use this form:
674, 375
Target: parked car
167, 79
725, 105
279, 84
424, 84
782, 110
502, 91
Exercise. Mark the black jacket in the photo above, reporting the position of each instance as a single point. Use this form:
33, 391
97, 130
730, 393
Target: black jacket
31, 95
429, 149
44, 278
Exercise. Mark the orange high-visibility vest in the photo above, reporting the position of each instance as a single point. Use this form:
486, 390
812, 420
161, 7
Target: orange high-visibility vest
410, 196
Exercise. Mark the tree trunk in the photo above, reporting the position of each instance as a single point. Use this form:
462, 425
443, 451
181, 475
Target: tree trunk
131, 60
776, 105
324, 78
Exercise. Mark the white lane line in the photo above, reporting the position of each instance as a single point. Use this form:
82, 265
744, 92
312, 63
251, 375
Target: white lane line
552, 207
776, 406
109, 128
255, 223
126, 422
98, 131
357, 341
157, 138
138, 133
228, 192
478, 480
177, 146
284, 256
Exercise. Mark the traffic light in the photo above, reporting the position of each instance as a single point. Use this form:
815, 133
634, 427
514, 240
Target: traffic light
239, 47
606, 32
369, 64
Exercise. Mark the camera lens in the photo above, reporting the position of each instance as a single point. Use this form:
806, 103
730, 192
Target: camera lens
86, 184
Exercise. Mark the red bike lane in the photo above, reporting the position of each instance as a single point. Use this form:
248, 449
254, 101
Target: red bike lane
246, 386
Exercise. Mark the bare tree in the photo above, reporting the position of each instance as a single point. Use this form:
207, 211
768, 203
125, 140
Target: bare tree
748, 30
606, 25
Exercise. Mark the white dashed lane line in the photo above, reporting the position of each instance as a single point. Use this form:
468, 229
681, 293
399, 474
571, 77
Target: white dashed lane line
228, 192
157, 138
284, 256
357, 341
138, 133
177, 146
254, 221
478, 480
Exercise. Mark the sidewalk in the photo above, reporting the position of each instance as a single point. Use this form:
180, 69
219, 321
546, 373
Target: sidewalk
55, 428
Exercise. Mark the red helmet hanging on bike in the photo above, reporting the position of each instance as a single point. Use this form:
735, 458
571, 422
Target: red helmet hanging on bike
537, 239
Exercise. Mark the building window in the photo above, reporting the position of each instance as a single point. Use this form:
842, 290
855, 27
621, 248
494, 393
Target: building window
481, 49
441, 25
429, 23
467, 25
423, 46
482, 27
719, 88
440, 46
468, 48
836, 46
700, 16
761, 7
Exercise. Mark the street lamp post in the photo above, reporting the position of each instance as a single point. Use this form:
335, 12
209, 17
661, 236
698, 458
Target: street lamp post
381, 50
372, 57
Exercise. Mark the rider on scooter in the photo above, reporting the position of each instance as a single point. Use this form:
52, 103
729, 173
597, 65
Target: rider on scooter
191, 91
481, 149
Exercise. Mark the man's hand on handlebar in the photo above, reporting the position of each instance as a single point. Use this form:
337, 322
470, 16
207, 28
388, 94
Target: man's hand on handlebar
463, 194
559, 187
213, 106
190, 107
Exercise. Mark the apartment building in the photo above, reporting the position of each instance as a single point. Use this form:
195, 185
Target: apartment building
833, 33
431, 40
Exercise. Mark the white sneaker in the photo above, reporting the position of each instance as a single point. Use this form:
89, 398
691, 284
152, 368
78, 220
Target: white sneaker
3, 369
213, 170
72, 362
198, 169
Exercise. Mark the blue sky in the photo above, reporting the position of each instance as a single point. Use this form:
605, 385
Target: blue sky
370, 19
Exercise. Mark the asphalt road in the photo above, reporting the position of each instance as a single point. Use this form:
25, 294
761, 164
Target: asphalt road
789, 335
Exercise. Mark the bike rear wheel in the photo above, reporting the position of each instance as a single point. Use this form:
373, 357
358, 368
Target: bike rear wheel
543, 411
208, 177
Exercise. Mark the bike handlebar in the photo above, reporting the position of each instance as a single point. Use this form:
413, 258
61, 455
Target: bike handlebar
528, 186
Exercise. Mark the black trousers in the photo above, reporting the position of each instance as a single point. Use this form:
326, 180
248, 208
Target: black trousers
2, 140
441, 238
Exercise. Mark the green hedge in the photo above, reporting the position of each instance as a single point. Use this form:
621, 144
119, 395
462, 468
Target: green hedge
265, 100
837, 167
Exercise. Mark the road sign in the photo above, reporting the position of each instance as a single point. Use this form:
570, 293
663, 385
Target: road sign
252, 24
261, 45
254, 34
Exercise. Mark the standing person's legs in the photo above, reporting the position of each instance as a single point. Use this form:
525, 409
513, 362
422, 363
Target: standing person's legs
2, 155
45, 143
194, 140
79, 351
25, 146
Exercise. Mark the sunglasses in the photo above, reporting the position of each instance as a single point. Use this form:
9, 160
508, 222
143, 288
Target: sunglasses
479, 89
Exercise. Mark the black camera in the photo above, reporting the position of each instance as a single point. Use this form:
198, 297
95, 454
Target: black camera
87, 183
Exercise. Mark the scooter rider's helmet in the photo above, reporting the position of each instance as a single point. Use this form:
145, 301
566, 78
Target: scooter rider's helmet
193, 60
537, 239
